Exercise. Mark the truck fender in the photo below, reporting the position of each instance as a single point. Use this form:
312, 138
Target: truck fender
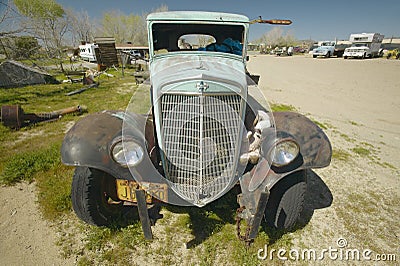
315, 152
89, 141
315, 147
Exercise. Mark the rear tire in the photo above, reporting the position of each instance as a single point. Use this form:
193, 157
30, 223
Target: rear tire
286, 201
91, 193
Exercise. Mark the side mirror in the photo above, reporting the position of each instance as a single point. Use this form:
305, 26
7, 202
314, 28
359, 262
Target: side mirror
247, 58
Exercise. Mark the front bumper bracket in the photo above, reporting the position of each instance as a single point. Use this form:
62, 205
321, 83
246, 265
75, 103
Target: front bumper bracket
143, 213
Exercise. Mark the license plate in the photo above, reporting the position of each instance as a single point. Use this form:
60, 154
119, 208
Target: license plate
126, 190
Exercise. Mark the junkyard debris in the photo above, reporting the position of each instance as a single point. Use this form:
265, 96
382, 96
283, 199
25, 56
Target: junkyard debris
93, 85
13, 116
15, 74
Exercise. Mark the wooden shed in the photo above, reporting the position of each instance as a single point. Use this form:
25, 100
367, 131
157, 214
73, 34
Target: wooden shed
106, 53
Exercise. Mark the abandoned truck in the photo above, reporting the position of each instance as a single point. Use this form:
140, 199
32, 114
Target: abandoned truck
204, 134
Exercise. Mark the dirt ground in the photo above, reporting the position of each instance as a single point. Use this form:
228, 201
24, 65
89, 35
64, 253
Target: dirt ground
356, 198
360, 97
25, 238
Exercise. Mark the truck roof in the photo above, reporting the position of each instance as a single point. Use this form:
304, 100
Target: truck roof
366, 37
197, 16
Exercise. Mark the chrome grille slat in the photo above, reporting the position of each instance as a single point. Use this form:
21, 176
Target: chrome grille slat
199, 139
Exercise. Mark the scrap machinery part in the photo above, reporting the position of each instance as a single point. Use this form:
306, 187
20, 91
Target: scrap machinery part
13, 116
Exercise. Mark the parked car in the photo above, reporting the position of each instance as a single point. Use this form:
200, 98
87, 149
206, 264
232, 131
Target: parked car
205, 133
280, 51
312, 47
298, 49
339, 49
325, 49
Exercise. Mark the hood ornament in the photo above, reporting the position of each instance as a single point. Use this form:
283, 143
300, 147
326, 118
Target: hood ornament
201, 86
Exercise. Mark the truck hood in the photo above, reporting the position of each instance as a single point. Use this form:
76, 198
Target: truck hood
357, 48
219, 67
207, 89
321, 48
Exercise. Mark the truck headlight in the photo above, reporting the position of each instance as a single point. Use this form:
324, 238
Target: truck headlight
284, 152
127, 152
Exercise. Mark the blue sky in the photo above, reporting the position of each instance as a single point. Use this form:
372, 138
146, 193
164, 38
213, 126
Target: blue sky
318, 20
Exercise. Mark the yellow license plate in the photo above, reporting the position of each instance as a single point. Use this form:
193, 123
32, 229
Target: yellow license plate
126, 190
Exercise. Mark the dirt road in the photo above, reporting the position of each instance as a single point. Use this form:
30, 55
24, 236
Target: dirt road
357, 198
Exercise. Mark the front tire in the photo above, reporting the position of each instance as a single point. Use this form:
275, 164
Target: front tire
94, 197
286, 201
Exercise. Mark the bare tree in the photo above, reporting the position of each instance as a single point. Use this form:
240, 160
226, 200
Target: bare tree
9, 19
81, 26
277, 37
46, 20
126, 28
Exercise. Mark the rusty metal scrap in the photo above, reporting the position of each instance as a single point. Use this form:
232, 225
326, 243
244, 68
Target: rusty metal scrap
13, 116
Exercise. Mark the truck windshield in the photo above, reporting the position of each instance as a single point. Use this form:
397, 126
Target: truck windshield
361, 44
172, 37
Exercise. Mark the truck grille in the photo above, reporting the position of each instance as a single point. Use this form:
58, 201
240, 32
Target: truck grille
200, 138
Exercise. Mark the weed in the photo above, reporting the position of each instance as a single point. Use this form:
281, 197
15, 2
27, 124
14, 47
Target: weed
321, 125
114, 244
354, 123
23, 166
369, 204
282, 108
97, 237
54, 191
84, 261
347, 138
367, 144
361, 151
387, 165
341, 155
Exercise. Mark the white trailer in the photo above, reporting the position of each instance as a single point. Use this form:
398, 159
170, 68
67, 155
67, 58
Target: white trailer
364, 45
86, 52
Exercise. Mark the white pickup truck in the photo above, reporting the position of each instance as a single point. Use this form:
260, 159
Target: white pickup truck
325, 48
364, 45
